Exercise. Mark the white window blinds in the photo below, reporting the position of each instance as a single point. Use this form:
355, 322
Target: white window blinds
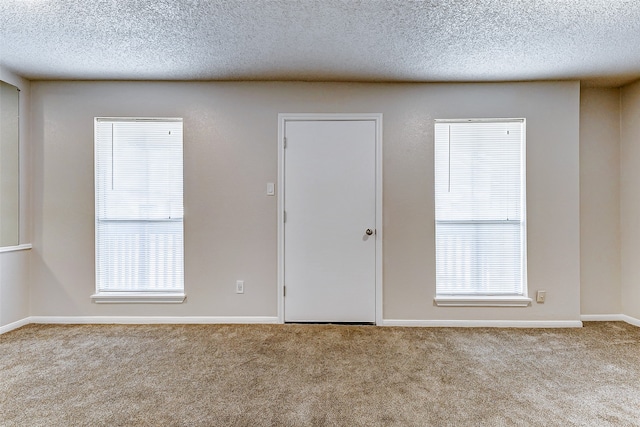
139, 205
479, 203
9, 165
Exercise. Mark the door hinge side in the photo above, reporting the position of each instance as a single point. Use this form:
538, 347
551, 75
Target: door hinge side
284, 140
284, 291
284, 216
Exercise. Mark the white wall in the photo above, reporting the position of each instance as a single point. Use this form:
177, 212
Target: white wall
600, 201
230, 154
629, 199
14, 266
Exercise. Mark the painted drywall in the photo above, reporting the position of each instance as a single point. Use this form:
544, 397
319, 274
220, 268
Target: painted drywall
14, 286
14, 266
600, 201
629, 201
231, 153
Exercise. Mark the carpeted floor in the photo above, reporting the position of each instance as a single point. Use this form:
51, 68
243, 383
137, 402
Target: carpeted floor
319, 375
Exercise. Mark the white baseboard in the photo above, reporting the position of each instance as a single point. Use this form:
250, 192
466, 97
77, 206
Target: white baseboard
14, 325
141, 320
485, 323
602, 318
610, 318
631, 320
144, 320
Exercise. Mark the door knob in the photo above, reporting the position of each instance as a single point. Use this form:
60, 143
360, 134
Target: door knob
369, 232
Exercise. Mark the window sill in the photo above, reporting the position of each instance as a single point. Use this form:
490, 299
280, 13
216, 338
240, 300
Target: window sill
481, 301
22, 247
138, 297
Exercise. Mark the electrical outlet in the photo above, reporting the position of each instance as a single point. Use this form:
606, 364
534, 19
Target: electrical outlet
239, 286
541, 296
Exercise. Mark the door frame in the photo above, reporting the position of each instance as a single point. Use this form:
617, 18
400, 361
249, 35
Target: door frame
283, 118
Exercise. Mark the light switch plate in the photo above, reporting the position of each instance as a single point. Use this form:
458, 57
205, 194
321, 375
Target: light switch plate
271, 189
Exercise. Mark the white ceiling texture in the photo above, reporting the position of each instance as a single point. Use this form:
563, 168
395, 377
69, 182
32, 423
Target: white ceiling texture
597, 41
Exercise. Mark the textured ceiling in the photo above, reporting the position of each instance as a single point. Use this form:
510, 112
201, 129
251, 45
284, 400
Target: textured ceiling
369, 40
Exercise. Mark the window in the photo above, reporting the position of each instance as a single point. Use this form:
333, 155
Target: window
9, 165
480, 212
139, 210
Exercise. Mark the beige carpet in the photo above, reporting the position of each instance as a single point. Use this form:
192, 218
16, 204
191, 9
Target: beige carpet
319, 375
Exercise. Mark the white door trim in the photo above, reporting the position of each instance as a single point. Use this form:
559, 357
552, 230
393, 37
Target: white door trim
282, 119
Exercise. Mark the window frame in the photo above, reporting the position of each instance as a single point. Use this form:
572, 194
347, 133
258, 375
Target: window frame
490, 300
137, 296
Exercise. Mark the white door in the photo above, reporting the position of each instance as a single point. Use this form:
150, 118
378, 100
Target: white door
330, 218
